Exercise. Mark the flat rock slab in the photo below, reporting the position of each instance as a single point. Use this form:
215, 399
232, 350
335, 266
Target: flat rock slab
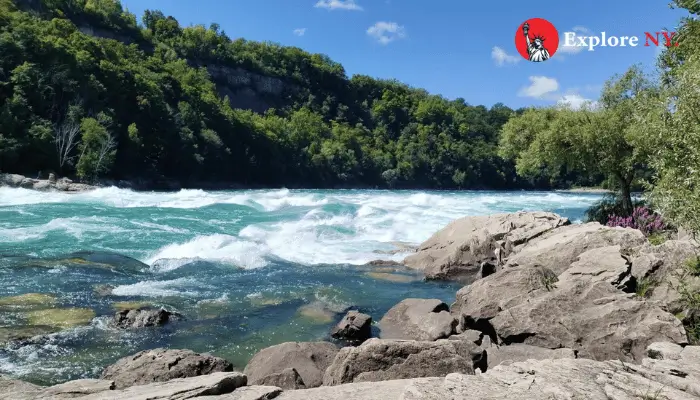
249, 393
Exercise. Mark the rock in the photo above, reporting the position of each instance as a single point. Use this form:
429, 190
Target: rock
142, 318
249, 393
393, 277
63, 318
467, 246
381, 359
385, 263
558, 248
52, 178
160, 365
317, 312
418, 319
354, 327
548, 379
469, 335
215, 384
309, 359
103, 290
11, 180
584, 309
78, 388
23, 333
664, 351
288, 378
658, 271
504, 355
27, 301
13, 389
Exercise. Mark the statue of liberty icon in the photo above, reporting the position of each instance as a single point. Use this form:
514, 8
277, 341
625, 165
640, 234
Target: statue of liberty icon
535, 46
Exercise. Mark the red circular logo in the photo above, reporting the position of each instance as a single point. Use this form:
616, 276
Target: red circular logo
537, 40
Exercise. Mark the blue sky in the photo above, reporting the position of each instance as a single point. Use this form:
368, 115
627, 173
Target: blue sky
456, 48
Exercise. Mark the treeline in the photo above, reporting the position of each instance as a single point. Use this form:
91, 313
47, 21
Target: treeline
144, 106
643, 132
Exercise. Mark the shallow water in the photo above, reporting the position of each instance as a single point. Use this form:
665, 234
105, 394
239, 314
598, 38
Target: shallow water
246, 268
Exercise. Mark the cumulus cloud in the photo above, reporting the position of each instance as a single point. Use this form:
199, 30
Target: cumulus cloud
300, 31
540, 87
579, 31
386, 32
339, 5
500, 57
575, 101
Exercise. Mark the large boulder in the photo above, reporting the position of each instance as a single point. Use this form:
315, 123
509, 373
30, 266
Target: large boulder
308, 359
472, 247
418, 319
548, 379
381, 359
160, 365
558, 248
505, 355
355, 327
585, 308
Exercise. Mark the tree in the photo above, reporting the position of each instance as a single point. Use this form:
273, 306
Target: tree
97, 149
66, 138
595, 139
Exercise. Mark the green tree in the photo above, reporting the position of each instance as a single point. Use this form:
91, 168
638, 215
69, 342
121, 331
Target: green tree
97, 149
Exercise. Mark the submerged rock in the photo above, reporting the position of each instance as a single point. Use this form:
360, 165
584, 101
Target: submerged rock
63, 318
27, 301
23, 333
160, 365
418, 319
355, 327
309, 359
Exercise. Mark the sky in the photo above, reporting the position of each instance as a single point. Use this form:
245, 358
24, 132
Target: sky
455, 48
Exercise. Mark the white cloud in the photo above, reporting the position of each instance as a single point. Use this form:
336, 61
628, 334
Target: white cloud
574, 101
501, 57
300, 31
339, 5
386, 32
579, 31
541, 87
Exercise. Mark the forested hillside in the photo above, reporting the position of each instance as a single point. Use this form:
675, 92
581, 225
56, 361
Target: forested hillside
85, 91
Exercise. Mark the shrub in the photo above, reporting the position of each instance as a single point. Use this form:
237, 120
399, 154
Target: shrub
609, 205
642, 218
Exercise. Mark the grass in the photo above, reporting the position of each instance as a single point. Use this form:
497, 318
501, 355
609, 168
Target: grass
690, 299
645, 286
657, 238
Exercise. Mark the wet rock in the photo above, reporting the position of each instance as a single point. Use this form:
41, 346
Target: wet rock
317, 312
385, 263
309, 359
459, 251
354, 327
584, 308
381, 360
103, 290
23, 334
143, 318
160, 365
393, 277
418, 319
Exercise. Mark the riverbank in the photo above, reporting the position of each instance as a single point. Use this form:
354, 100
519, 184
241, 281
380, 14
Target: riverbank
617, 297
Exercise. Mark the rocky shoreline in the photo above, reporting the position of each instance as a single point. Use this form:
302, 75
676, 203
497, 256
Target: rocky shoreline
549, 310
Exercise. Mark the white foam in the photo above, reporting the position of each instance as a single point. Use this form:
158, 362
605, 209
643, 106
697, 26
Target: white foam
153, 288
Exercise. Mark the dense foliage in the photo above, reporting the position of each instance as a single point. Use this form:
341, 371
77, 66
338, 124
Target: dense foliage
86, 91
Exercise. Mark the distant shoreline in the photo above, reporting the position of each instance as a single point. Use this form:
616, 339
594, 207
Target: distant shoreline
584, 190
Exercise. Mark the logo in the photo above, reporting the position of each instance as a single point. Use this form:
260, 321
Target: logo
537, 40
575, 39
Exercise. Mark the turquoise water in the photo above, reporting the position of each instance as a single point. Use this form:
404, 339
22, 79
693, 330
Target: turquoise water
247, 269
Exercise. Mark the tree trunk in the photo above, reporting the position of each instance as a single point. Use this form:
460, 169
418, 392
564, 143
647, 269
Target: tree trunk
625, 193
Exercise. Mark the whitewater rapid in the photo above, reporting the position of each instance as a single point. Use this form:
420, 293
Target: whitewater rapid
247, 228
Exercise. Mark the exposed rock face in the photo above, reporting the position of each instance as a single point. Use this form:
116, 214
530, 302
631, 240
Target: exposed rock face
418, 319
143, 318
505, 355
473, 247
380, 360
558, 248
355, 327
310, 361
160, 365
584, 308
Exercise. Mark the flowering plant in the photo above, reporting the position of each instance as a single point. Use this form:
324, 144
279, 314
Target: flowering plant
642, 218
